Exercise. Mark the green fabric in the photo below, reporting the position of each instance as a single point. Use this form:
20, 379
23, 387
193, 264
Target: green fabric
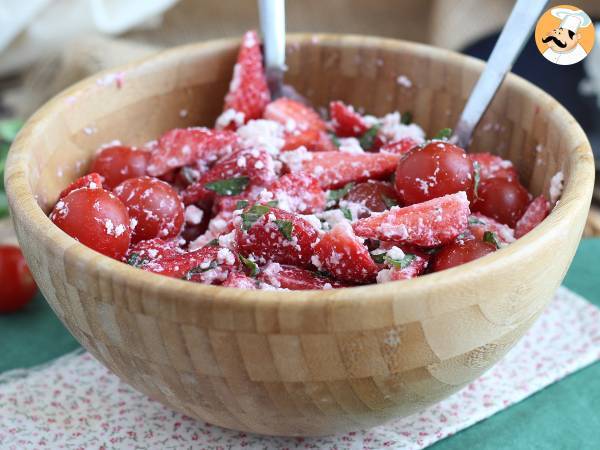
566, 415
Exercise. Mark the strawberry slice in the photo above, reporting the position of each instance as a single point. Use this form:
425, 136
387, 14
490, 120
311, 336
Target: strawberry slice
537, 211
295, 278
426, 224
298, 193
492, 166
90, 181
336, 169
272, 234
302, 125
231, 175
399, 147
184, 146
341, 253
152, 250
248, 91
240, 280
345, 121
479, 224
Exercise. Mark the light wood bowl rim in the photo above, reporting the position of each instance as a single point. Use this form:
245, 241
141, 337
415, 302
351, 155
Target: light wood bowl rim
24, 206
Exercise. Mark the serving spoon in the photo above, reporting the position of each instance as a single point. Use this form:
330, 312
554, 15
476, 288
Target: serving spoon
509, 45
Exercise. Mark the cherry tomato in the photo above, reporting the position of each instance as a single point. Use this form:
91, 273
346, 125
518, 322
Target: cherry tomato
96, 218
460, 252
119, 163
502, 199
154, 207
437, 169
17, 286
377, 196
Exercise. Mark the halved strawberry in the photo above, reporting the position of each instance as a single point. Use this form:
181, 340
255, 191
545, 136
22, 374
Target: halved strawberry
346, 122
248, 91
537, 211
492, 166
299, 193
302, 125
479, 224
184, 146
426, 224
400, 147
272, 234
90, 181
341, 253
295, 278
336, 169
240, 280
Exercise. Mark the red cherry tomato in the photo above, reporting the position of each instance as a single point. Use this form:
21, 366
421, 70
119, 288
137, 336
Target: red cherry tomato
154, 207
377, 196
437, 169
460, 252
119, 163
502, 199
96, 218
17, 286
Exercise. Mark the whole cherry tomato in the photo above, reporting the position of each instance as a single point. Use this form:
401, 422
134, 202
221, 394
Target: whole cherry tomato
119, 163
502, 199
460, 252
17, 286
377, 196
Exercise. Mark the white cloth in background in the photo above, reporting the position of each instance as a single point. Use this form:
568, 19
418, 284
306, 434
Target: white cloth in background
75, 402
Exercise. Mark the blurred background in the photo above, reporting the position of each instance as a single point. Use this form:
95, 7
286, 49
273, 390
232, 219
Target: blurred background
46, 45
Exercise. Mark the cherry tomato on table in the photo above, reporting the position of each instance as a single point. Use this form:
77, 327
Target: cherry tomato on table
119, 163
17, 286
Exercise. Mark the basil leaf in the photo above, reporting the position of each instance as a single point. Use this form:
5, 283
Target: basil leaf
250, 217
406, 118
336, 194
389, 202
444, 134
285, 227
401, 263
136, 260
475, 221
334, 139
347, 213
231, 186
241, 204
368, 138
249, 264
213, 243
199, 269
379, 258
476, 178
492, 238
273, 203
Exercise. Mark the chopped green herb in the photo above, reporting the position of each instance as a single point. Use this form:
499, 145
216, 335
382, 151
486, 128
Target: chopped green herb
250, 217
200, 269
475, 221
285, 227
368, 138
232, 186
241, 204
273, 203
444, 134
136, 260
401, 263
492, 238
213, 243
406, 118
250, 265
476, 178
334, 139
346, 212
379, 258
389, 202
336, 194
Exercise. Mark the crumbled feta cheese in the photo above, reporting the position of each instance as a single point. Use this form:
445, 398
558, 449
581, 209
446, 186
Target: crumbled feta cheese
350, 145
193, 215
556, 186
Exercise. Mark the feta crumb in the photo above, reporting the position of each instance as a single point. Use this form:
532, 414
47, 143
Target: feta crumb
556, 186
193, 215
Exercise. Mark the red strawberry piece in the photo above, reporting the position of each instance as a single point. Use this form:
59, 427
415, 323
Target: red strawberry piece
492, 166
537, 211
375, 196
346, 122
240, 280
302, 124
248, 91
336, 169
91, 181
295, 278
341, 253
479, 224
272, 234
299, 193
244, 167
152, 250
185, 146
400, 147
426, 224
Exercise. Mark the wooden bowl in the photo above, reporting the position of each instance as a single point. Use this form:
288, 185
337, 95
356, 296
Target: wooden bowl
298, 363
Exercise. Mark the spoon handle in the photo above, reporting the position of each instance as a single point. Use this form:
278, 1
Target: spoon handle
272, 25
512, 39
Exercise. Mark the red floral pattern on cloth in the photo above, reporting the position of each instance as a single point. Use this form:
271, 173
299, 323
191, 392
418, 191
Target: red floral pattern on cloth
75, 402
